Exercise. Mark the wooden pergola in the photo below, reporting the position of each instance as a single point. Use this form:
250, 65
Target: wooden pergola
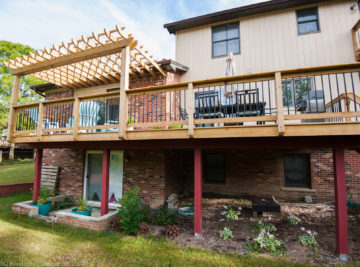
88, 61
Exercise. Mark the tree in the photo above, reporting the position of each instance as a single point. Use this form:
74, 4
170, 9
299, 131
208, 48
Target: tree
9, 50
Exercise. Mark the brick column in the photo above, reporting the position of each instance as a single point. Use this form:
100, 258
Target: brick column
198, 192
340, 203
105, 182
37, 174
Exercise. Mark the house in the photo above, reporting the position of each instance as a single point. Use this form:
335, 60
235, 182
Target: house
287, 124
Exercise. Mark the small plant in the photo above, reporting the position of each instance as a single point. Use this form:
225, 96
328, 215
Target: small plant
172, 231
163, 216
309, 241
231, 213
293, 219
45, 193
82, 205
131, 212
144, 228
265, 226
268, 242
64, 204
226, 233
131, 120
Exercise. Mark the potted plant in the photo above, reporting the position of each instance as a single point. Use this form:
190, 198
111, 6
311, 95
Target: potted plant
42, 202
83, 208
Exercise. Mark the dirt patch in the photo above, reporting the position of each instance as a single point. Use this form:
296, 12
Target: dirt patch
319, 218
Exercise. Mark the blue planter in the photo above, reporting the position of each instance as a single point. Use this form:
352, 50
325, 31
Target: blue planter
43, 208
85, 213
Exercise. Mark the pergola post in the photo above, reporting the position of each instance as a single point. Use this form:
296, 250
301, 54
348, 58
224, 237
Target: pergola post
37, 174
340, 202
198, 192
124, 85
105, 182
13, 104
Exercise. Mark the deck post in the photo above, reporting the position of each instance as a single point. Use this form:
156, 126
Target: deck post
340, 203
198, 192
13, 104
124, 85
37, 174
105, 182
190, 109
279, 104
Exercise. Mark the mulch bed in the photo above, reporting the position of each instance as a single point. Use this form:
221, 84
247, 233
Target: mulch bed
315, 217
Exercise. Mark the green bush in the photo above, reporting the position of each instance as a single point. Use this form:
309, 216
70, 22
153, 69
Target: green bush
131, 211
293, 219
45, 193
163, 216
309, 241
226, 233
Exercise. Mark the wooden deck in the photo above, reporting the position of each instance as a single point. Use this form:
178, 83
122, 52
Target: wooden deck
173, 111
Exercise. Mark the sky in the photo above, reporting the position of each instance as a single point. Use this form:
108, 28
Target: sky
42, 23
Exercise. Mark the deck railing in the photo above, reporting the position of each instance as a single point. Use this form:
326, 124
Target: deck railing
320, 96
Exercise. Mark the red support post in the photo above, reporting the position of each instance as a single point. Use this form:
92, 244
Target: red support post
198, 192
340, 202
105, 182
37, 174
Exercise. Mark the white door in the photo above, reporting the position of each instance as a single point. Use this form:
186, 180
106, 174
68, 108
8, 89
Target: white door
93, 171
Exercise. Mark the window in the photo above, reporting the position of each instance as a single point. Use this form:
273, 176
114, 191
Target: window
214, 168
225, 39
295, 90
308, 20
297, 170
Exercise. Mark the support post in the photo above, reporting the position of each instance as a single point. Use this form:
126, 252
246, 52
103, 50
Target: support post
40, 121
190, 109
198, 192
13, 104
124, 85
105, 182
76, 114
12, 151
279, 104
340, 203
37, 174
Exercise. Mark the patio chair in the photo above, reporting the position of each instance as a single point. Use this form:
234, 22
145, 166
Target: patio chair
247, 103
208, 106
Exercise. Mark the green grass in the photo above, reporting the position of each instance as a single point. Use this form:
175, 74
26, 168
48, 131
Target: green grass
11, 173
33, 243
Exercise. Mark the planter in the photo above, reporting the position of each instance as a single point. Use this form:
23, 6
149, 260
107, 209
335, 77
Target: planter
85, 212
43, 208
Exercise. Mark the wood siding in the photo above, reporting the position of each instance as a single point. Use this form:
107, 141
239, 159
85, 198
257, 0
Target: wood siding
271, 42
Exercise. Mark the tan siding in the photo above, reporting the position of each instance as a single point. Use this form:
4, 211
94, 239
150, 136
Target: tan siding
270, 42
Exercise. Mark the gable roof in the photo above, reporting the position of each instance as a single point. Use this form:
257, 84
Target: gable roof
238, 12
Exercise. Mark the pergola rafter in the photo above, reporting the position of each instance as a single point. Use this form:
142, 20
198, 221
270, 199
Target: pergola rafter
89, 61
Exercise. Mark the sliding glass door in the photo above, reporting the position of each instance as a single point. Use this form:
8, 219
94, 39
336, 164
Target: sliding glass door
93, 171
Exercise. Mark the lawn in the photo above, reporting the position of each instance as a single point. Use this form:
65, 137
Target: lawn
32, 242
16, 172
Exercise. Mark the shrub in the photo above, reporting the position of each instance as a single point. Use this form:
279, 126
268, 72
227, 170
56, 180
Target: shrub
131, 212
268, 242
231, 213
293, 219
226, 233
64, 204
265, 226
309, 241
163, 216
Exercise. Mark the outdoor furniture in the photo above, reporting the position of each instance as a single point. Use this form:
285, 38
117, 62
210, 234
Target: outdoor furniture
183, 114
248, 104
207, 106
266, 203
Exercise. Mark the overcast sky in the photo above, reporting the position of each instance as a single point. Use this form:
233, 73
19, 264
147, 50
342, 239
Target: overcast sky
42, 23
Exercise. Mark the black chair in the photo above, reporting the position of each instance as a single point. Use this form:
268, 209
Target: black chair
183, 114
207, 105
247, 103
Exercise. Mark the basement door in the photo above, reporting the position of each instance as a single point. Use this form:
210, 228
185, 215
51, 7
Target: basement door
93, 171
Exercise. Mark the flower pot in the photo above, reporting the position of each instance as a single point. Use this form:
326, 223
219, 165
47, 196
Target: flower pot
43, 208
85, 212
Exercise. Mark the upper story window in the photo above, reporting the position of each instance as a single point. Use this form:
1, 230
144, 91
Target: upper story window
225, 39
308, 20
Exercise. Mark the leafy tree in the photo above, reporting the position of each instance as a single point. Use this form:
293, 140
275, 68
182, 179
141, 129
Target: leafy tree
9, 50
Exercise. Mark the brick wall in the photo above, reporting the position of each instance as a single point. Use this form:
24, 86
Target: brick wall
8, 189
260, 172
58, 94
146, 169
